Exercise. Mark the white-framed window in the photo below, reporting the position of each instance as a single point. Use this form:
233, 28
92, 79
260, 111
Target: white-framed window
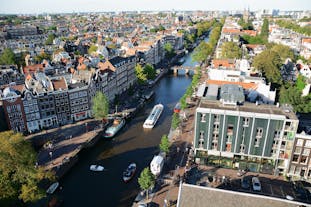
203, 117
300, 142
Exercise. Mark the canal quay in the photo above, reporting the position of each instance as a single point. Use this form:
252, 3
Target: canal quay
82, 187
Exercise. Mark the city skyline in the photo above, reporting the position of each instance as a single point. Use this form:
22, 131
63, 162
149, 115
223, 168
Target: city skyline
57, 6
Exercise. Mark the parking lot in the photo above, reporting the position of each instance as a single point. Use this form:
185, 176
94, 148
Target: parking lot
274, 186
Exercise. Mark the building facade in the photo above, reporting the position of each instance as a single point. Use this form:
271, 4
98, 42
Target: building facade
245, 135
300, 165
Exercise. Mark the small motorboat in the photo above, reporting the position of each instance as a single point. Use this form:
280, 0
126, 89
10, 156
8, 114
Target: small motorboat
129, 172
177, 108
52, 188
96, 168
118, 123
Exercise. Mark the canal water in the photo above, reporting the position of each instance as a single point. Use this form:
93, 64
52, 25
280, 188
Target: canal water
81, 187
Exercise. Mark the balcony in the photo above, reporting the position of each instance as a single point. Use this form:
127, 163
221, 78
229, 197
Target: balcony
258, 135
229, 132
245, 124
216, 121
215, 141
216, 131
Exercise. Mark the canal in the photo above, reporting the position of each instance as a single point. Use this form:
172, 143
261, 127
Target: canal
81, 187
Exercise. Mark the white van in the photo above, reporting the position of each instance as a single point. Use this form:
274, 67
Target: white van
156, 165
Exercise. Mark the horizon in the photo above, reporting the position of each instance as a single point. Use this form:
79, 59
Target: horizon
31, 7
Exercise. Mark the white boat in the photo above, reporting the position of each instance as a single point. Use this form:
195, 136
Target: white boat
52, 188
153, 116
156, 165
118, 123
96, 168
129, 172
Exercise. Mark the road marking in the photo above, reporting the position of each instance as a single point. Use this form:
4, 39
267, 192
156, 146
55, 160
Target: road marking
282, 191
271, 189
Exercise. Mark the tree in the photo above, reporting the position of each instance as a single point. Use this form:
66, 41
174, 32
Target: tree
164, 144
49, 40
169, 50
284, 52
231, 50
43, 56
100, 106
146, 180
7, 57
19, 177
202, 52
268, 62
254, 40
265, 29
300, 82
150, 72
92, 49
140, 75
175, 121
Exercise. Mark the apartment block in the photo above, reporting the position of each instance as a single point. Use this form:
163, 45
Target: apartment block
233, 133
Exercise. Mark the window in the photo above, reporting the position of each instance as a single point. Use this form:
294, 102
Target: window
295, 158
242, 148
230, 130
308, 143
245, 121
259, 132
303, 159
299, 142
306, 152
298, 150
203, 117
216, 118
257, 142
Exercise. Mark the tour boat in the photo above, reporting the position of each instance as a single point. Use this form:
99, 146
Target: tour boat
52, 188
129, 172
96, 168
177, 108
118, 123
153, 116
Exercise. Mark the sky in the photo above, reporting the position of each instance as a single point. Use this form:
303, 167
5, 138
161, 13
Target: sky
61, 6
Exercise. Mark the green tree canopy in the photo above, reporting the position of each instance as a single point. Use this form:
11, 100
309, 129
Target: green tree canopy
7, 57
284, 52
100, 106
231, 50
140, 75
265, 29
246, 25
92, 49
288, 24
164, 144
146, 180
202, 52
175, 121
49, 40
292, 95
254, 40
300, 82
169, 50
150, 72
203, 27
268, 62
43, 56
19, 178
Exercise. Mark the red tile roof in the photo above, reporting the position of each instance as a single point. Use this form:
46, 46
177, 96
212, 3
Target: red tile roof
244, 85
30, 69
59, 84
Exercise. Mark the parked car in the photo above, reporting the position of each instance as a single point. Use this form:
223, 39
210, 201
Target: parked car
245, 183
256, 184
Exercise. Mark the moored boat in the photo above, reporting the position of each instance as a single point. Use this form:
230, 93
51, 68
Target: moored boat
129, 173
96, 168
153, 116
52, 188
177, 108
118, 123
